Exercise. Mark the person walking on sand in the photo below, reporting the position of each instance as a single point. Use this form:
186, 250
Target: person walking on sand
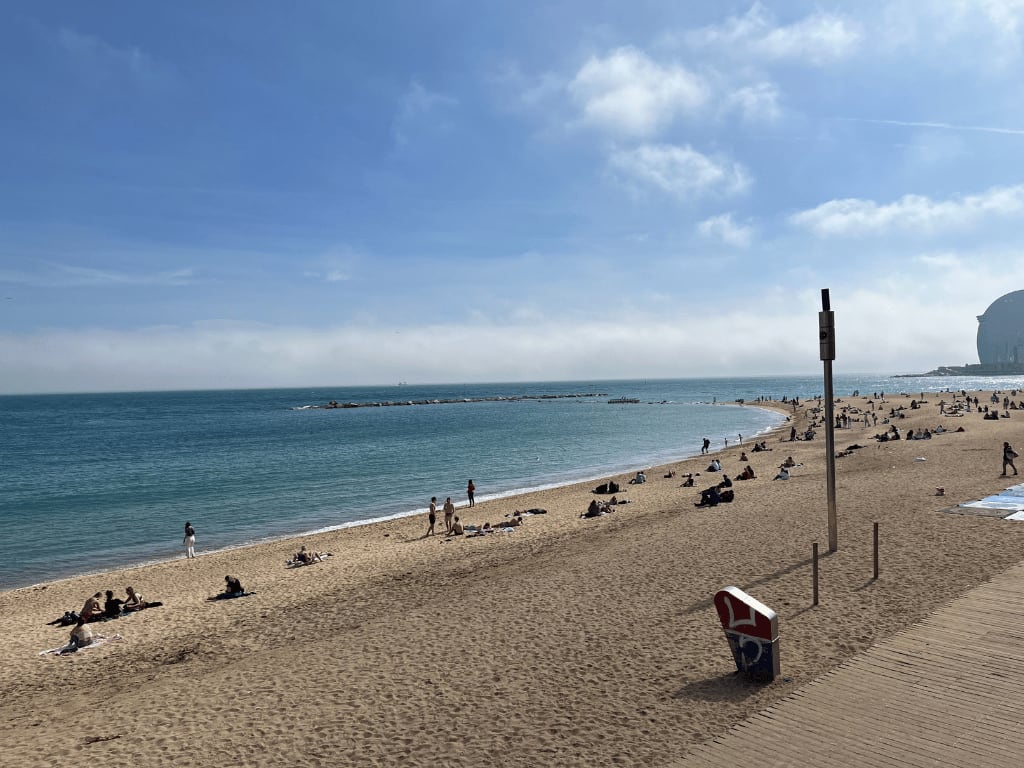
432, 516
449, 513
470, 490
1008, 456
190, 541
704, 448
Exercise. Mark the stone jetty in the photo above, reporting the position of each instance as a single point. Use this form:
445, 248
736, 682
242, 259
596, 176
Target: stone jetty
448, 400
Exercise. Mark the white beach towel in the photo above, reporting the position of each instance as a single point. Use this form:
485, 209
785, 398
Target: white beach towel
98, 640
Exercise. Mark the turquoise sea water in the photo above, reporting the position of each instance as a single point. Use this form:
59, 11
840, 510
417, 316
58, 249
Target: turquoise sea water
100, 481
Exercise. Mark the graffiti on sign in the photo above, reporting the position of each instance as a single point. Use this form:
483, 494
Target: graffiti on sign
752, 629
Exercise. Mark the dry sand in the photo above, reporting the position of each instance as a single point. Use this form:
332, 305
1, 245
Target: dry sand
565, 642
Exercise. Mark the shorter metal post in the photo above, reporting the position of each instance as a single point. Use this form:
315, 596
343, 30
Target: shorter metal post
814, 574
876, 550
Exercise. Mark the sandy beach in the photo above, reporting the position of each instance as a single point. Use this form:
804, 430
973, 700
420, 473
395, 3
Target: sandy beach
566, 641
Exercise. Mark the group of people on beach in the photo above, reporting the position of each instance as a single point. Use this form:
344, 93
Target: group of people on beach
95, 609
452, 525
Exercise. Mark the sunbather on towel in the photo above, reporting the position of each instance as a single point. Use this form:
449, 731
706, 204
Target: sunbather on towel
306, 557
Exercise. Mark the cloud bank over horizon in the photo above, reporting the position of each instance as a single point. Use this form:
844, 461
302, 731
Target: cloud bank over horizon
443, 194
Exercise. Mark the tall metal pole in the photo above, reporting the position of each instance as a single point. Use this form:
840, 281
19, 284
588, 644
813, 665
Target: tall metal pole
827, 343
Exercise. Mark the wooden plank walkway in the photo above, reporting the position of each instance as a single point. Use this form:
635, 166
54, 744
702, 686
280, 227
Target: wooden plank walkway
948, 692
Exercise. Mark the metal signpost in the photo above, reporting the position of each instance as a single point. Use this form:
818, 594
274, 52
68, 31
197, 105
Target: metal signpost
827, 343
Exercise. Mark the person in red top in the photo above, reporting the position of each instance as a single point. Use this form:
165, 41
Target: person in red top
470, 490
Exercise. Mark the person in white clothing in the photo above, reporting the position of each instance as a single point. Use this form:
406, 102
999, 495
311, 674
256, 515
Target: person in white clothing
190, 540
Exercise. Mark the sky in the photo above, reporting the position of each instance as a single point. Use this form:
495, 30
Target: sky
248, 194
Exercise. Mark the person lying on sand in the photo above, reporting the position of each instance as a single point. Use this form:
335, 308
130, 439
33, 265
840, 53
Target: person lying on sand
306, 557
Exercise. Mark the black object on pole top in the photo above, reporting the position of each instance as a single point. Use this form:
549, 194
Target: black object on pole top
824, 300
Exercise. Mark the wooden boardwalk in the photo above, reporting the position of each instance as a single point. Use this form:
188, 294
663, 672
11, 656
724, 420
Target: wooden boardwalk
949, 691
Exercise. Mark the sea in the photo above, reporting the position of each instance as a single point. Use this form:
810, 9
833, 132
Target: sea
93, 482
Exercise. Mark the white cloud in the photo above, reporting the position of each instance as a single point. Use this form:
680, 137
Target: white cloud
416, 106
759, 102
977, 34
724, 228
818, 38
853, 216
679, 171
629, 94
926, 320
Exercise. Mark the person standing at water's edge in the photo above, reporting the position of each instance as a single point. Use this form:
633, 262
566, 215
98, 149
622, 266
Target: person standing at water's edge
190, 541
470, 490
1008, 456
432, 516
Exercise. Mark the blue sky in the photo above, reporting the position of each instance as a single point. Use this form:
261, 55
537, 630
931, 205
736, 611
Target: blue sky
256, 194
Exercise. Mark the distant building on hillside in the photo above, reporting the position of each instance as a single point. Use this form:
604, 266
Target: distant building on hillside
1000, 341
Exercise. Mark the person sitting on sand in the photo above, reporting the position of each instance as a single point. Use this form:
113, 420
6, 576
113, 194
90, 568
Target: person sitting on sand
714, 466
788, 462
112, 606
232, 588
783, 474
595, 509
134, 601
81, 636
640, 478
709, 497
687, 483
457, 529
92, 609
743, 454
746, 474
